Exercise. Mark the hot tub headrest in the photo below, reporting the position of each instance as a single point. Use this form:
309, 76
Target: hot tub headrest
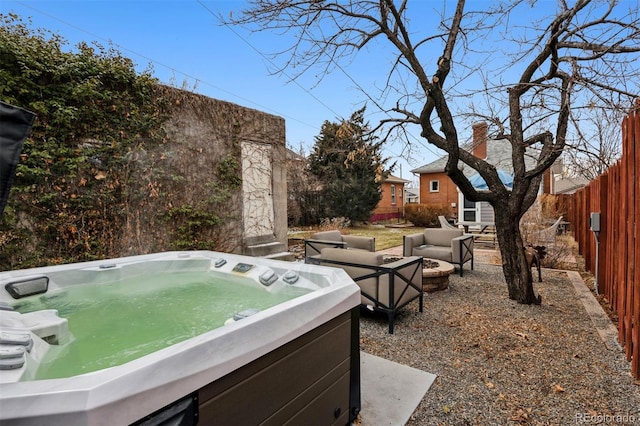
27, 287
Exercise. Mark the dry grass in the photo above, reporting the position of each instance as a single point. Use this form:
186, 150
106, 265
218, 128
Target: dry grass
386, 237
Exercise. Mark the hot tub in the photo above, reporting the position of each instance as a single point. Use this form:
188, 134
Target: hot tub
286, 351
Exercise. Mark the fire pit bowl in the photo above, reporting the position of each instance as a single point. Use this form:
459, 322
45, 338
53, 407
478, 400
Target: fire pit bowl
435, 275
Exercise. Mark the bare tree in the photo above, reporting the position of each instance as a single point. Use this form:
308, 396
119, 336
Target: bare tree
530, 75
303, 190
597, 144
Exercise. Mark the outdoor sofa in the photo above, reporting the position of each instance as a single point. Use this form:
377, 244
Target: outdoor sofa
384, 287
335, 239
450, 245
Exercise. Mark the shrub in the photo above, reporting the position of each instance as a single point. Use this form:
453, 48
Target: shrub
330, 224
74, 186
425, 214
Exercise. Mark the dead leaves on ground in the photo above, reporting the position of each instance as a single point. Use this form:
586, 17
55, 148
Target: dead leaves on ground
521, 416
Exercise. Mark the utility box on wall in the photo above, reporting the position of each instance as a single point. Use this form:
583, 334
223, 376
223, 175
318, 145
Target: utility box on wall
594, 221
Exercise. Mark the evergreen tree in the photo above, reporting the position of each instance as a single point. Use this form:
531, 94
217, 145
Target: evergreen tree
347, 160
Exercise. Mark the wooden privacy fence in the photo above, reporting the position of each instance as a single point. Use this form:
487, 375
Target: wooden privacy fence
616, 195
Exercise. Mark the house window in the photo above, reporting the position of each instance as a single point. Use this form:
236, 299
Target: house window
469, 211
434, 186
393, 195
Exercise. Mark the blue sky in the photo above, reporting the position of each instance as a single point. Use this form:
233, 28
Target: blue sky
186, 45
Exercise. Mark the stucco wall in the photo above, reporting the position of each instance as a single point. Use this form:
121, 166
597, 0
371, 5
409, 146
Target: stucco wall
190, 172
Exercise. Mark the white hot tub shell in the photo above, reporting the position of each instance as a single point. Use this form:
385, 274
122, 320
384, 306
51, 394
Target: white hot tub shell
297, 361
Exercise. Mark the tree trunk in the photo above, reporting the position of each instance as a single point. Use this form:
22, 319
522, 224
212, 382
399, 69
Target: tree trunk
517, 271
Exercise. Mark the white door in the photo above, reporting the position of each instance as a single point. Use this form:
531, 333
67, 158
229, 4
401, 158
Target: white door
258, 214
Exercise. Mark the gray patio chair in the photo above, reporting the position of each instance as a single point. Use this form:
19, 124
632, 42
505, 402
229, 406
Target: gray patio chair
314, 245
384, 287
449, 245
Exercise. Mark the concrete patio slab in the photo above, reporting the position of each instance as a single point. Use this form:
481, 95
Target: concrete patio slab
390, 391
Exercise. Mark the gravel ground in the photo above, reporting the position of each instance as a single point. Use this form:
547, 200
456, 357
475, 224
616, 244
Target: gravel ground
500, 363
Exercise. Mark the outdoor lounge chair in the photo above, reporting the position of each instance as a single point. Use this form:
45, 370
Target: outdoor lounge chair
444, 223
546, 236
384, 287
314, 245
477, 237
449, 245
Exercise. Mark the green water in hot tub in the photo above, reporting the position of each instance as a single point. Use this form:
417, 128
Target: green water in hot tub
114, 323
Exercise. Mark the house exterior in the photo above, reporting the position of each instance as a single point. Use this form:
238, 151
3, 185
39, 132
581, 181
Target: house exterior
437, 188
391, 205
300, 186
411, 195
568, 185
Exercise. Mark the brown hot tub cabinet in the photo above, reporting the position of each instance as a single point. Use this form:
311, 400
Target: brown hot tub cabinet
314, 379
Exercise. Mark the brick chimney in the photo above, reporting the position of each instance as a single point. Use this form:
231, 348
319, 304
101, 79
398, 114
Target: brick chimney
480, 140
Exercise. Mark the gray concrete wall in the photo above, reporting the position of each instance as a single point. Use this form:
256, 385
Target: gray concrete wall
204, 138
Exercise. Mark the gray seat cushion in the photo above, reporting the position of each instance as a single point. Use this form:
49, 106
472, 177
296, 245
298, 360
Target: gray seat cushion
327, 236
361, 257
434, 252
441, 237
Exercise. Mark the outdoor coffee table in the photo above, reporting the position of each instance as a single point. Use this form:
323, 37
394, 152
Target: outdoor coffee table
435, 275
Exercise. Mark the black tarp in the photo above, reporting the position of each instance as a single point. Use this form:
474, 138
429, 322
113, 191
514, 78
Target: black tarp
15, 126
